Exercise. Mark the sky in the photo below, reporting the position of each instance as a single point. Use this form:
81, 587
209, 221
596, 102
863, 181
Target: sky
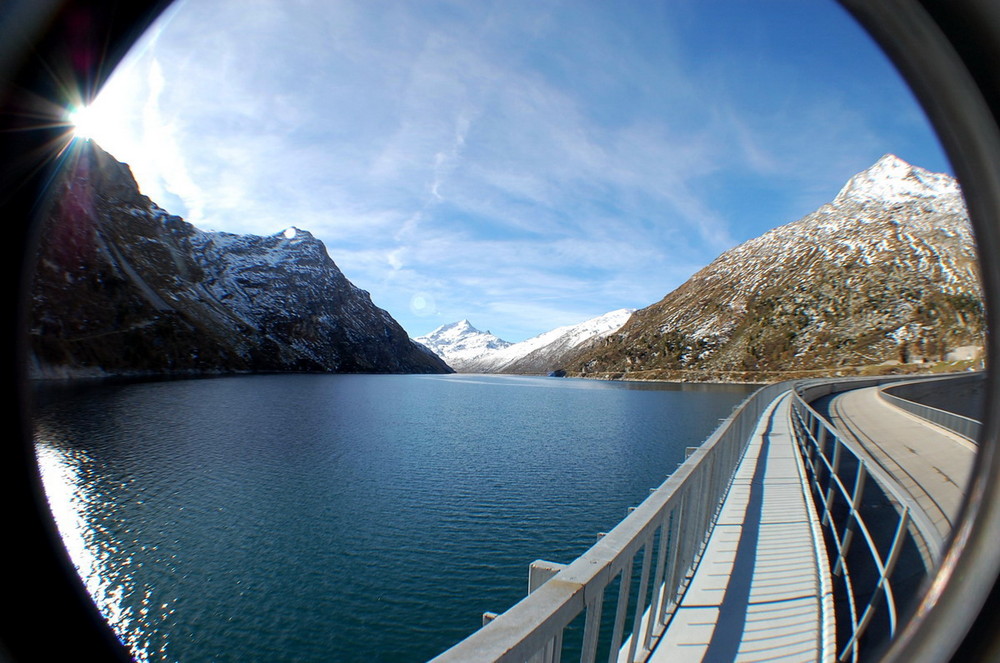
523, 165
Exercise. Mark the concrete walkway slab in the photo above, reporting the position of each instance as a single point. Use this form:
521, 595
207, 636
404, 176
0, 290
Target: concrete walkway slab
762, 590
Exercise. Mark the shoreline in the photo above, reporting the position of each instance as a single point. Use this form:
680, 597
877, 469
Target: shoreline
763, 377
66, 375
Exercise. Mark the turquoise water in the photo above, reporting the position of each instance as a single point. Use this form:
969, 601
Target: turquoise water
344, 517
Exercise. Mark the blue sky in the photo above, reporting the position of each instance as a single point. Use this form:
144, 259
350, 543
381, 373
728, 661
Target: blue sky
524, 165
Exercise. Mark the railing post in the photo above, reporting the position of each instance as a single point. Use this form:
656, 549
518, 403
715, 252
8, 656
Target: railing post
641, 599
852, 515
550, 653
656, 599
884, 586
834, 466
890, 565
822, 440
670, 581
675, 549
540, 571
624, 589
592, 627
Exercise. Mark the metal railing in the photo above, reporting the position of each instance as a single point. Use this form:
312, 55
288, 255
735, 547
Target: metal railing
616, 599
888, 523
637, 572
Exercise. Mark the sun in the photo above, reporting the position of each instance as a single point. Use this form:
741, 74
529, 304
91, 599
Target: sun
86, 122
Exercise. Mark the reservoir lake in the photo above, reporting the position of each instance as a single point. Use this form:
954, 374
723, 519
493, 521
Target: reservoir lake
344, 517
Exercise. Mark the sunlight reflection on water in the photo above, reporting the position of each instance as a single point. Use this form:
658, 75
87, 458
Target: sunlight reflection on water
103, 568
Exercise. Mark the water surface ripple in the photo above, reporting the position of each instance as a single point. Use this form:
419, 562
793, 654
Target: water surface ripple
344, 517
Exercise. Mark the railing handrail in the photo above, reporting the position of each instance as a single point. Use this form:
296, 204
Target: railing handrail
681, 511
532, 625
822, 448
930, 533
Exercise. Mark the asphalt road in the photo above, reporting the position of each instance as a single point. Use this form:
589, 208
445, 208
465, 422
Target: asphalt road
928, 462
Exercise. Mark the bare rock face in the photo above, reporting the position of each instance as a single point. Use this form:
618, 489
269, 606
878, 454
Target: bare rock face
124, 288
883, 277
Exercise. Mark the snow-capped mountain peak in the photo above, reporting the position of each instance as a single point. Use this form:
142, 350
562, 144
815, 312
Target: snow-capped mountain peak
468, 350
892, 180
461, 327
886, 274
460, 341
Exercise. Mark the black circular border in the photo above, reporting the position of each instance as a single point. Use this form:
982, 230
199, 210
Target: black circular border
947, 50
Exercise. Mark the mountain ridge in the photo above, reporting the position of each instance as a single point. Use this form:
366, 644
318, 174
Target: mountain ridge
122, 287
885, 275
469, 350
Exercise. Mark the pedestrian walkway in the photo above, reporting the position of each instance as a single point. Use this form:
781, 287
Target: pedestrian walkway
762, 589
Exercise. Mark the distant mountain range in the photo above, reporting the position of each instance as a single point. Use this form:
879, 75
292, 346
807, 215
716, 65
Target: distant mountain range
468, 350
883, 278
124, 288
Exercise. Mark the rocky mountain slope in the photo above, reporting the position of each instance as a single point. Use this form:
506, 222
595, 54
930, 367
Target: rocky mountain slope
884, 276
468, 350
123, 287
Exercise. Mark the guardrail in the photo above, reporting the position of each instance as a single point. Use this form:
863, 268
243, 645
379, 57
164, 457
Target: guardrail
968, 428
662, 539
884, 517
615, 600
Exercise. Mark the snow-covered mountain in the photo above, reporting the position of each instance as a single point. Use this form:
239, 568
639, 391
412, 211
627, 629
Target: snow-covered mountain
468, 350
891, 180
885, 274
460, 344
123, 287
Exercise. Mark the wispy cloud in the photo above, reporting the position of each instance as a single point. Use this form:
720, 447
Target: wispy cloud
519, 164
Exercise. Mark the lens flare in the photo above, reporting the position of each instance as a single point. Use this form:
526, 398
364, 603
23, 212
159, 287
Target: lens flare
423, 304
